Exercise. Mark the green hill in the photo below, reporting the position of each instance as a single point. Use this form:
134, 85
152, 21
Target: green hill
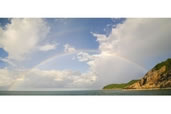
158, 77
166, 63
120, 86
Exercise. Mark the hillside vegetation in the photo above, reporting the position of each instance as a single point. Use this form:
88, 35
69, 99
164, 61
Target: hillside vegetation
120, 86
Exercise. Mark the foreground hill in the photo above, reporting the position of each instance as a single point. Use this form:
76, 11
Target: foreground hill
157, 77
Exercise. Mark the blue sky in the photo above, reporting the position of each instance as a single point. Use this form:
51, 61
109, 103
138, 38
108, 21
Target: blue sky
3, 54
77, 32
72, 31
79, 53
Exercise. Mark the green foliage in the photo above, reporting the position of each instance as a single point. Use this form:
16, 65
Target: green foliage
132, 82
120, 86
166, 63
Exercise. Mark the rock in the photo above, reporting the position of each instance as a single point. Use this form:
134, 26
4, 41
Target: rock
158, 77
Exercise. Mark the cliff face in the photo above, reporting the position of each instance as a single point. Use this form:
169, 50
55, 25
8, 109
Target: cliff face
158, 77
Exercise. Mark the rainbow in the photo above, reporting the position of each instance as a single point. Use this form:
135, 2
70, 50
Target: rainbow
22, 76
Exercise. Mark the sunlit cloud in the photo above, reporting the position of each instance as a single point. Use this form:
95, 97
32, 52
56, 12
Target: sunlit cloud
126, 52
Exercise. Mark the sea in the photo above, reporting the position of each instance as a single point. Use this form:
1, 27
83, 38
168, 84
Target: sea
90, 92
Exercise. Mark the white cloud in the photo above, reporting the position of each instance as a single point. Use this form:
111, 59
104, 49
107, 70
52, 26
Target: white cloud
6, 60
84, 80
69, 49
5, 78
44, 79
21, 36
47, 47
138, 39
83, 56
131, 44
121, 57
111, 68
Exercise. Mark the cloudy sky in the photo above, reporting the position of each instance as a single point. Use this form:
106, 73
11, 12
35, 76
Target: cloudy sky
73, 53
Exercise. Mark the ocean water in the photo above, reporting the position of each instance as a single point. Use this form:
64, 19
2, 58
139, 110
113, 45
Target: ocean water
91, 92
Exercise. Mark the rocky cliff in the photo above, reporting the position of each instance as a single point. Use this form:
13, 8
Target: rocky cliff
157, 77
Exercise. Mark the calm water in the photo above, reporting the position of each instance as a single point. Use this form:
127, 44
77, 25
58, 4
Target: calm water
91, 92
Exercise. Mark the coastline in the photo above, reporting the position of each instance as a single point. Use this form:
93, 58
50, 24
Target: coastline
139, 89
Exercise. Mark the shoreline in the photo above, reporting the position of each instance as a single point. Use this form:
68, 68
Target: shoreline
139, 89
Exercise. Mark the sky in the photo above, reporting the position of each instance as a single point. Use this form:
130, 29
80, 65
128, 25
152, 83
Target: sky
79, 53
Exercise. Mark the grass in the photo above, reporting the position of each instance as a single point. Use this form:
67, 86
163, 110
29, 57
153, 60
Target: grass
120, 86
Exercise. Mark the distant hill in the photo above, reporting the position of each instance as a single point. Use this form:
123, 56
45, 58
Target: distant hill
157, 77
